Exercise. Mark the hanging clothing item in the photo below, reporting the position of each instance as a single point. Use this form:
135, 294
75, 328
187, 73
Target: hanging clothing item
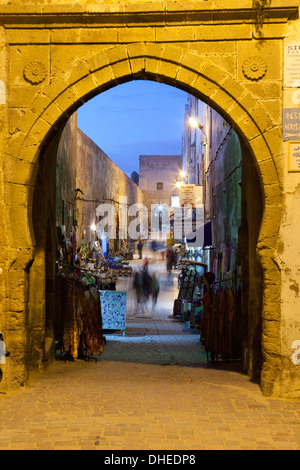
79, 319
206, 320
222, 321
230, 318
214, 342
2, 352
237, 325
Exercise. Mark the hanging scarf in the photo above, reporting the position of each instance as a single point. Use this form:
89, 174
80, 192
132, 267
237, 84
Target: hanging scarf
2, 352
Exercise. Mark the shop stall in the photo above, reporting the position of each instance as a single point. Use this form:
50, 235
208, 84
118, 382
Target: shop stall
213, 307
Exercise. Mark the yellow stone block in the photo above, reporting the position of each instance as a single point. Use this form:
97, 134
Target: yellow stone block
222, 100
52, 113
105, 76
193, 61
97, 35
39, 130
270, 52
205, 86
233, 88
274, 110
29, 150
175, 33
214, 48
40, 103
67, 99
151, 65
273, 194
134, 34
14, 117
22, 96
14, 143
262, 119
85, 86
77, 72
117, 54
168, 69
187, 77
136, 50
226, 62
154, 50
121, 69
260, 148
56, 87
213, 72
18, 195
63, 56
28, 36
274, 140
64, 35
221, 32
137, 65
22, 56
17, 170
27, 121
248, 127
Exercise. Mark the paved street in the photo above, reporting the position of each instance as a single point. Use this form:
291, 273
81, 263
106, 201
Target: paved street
152, 389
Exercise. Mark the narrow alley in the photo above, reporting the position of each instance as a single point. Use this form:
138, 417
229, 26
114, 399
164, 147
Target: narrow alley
152, 389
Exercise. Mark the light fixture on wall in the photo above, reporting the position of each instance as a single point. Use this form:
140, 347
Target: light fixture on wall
194, 123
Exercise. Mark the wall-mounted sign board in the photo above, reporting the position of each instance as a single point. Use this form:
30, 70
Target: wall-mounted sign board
292, 65
294, 156
291, 124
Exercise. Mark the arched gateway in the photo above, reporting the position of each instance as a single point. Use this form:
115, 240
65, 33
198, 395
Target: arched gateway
56, 57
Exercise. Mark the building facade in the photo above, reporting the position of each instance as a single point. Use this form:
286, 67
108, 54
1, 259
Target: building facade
158, 178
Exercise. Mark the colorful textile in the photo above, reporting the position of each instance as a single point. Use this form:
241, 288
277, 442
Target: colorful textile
220, 324
2, 353
79, 319
113, 308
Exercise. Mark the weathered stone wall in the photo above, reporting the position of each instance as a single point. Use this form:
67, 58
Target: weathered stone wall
82, 164
58, 55
98, 177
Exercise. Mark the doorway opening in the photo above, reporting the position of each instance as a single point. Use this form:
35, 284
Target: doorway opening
82, 185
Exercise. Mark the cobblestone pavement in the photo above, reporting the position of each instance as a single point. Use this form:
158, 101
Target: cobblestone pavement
152, 389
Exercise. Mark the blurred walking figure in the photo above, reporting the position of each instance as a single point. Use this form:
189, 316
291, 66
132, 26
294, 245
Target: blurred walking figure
154, 248
171, 259
4, 353
138, 286
140, 248
155, 287
146, 281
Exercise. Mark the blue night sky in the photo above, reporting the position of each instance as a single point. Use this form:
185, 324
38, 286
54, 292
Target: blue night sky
136, 118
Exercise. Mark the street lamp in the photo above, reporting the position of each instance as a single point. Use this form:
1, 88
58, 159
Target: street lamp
194, 123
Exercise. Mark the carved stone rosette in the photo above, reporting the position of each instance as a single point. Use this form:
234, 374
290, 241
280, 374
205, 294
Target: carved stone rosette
35, 72
254, 68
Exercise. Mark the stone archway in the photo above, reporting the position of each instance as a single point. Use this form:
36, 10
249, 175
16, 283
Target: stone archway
181, 68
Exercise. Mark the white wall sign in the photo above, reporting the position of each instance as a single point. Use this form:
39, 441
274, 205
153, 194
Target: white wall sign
2, 92
292, 65
191, 194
